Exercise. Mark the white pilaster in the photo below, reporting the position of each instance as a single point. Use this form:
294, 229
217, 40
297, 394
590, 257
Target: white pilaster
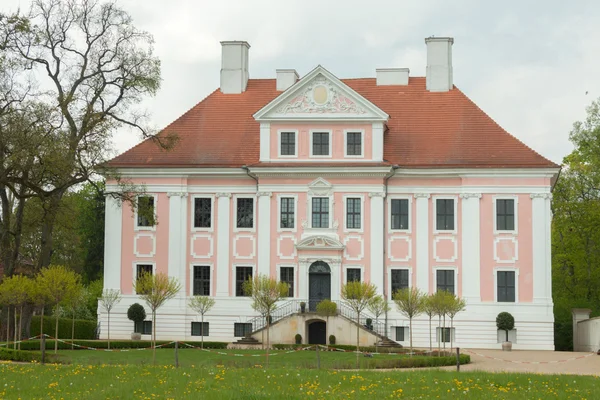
264, 233
471, 256
540, 220
112, 243
377, 131
177, 223
377, 240
422, 226
265, 141
223, 238
303, 279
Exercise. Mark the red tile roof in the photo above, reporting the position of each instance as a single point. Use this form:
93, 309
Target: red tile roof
425, 130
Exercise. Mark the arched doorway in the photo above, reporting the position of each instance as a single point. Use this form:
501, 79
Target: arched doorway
317, 332
319, 284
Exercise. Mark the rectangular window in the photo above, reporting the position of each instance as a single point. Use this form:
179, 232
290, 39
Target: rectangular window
445, 332
202, 212
353, 275
145, 211
354, 144
288, 143
399, 280
142, 269
505, 214
445, 280
320, 212
144, 327
286, 274
444, 209
399, 214
242, 274
506, 286
199, 329
400, 333
201, 280
245, 213
320, 144
352, 213
287, 213
241, 329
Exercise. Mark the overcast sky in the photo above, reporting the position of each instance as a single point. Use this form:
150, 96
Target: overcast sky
528, 64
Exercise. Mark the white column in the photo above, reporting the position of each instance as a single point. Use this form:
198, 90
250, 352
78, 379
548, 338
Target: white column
265, 141
540, 220
303, 279
112, 243
223, 223
336, 274
176, 258
377, 240
377, 132
264, 233
471, 256
422, 236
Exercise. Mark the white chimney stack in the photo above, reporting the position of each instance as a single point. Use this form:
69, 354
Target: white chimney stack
286, 78
392, 76
234, 66
439, 63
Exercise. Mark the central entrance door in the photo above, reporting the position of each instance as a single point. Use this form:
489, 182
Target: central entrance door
319, 284
317, 332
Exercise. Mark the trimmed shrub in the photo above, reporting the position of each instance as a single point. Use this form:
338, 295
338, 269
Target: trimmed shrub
122, 344
136, 312
505, 322
298, 338
24, 356
84, 329
331, 339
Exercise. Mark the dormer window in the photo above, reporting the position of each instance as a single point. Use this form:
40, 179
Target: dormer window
288, 144
320, 144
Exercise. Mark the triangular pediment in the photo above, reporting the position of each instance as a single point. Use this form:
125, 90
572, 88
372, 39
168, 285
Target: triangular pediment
320, 242
318, 96
320, 187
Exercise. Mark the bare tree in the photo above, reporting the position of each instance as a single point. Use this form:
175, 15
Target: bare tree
430, 311
410, 303
327, 308
155, 290
109, 299
455, 305
202, 305
265, 293
357, 295
378, 306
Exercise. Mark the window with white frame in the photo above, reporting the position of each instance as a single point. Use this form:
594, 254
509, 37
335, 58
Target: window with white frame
446, 334
145, 211
286, 275
245, 212
199, 328
320, 143
320, 212
201, 280
143, 327
353, 213
287, 143
143, 269
353, 275
401, 333
399, 280
445, 280
202, 212
287, 213
444, 210
505, 281
399, 214
242, 274
241, 329
505, 214
354, 143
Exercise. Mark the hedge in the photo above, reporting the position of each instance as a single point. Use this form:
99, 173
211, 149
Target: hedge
24, 356
84, 329
417, 362
115, 344
346, 347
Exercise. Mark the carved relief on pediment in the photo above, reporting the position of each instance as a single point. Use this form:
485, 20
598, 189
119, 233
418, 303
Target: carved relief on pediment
320, 243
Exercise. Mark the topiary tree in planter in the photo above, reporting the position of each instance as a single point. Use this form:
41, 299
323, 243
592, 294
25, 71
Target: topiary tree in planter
298, 338
331, 339
505, 322
137, 314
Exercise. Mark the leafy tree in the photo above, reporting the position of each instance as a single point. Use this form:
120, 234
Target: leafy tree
410, 303
59, 284
455, 305
440, 302
429, 310
109, 299
15, 291
73, 302
357, 295
265, 292
378, 306
40, 298
156, 290
327, 308
505, 322
202, 305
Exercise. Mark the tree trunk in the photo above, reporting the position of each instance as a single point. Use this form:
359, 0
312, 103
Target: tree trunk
506, 334
268, 338
444, 333
56, 334
430, 344
20, 326
377, 341
410, 335
73, 330
451, 326
5, 242
46, 243
440, 335
357, 341
42, 328
7, 326
202, 331
15, 332
108, 312
154, 337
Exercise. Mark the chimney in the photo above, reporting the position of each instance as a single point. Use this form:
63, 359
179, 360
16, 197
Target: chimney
439, 63
234, 66
392, 76
285, 78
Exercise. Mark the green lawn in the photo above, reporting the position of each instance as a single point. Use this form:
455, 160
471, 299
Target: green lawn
165, 382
